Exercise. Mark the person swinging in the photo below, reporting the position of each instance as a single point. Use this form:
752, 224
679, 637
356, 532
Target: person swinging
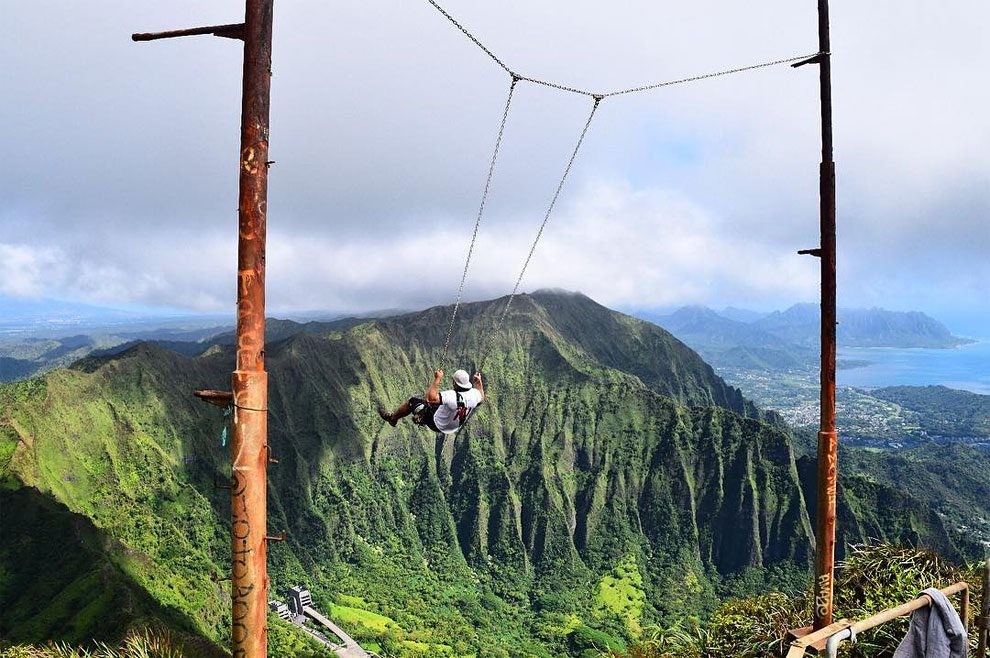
444, 411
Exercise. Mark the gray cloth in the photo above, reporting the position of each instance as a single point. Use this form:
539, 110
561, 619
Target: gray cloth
935, 631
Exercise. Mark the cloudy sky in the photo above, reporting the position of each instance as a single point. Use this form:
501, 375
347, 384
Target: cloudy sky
119, 169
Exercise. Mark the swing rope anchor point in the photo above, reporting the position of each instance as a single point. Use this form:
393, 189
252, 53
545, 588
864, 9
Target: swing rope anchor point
817, 58
229, 31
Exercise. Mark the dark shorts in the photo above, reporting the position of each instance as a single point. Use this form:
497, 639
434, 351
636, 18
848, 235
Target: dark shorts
424, 417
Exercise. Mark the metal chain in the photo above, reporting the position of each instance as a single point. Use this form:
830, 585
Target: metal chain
583, 92
477, 222
497, 326
554, 85
634, 90
470, 36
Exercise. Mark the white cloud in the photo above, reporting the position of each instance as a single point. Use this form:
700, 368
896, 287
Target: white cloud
120, 157
619, 245
186, 275
26, 270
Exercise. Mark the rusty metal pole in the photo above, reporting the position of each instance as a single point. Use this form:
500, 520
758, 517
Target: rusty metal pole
249, 382
827, 437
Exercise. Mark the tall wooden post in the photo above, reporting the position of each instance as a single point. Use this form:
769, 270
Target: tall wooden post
249, 382
827, 438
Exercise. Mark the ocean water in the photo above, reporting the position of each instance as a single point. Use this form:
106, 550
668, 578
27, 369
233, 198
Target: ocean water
966, 367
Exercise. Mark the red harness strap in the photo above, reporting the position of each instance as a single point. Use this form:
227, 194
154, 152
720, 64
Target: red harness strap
462, 410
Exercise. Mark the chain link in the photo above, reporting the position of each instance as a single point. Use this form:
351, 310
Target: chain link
477, 222
497, 326
706, 76
470, 36
554, 85
584, 92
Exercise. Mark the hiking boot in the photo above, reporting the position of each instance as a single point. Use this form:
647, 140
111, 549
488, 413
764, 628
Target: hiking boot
386, 416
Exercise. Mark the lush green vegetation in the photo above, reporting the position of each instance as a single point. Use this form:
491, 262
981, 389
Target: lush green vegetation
871, 579
950, 480
612, 484
142, 644
942, 411
285, 639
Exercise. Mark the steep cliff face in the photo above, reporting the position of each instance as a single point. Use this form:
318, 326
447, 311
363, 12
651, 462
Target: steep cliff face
609, 457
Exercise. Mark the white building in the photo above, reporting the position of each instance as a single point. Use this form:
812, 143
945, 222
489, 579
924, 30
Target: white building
299, 598
279, 609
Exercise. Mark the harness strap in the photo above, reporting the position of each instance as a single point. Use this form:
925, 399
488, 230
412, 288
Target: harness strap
462, 410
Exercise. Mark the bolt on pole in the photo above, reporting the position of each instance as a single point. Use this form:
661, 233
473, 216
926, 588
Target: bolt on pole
827, 437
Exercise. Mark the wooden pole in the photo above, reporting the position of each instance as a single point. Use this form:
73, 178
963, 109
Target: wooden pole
827, 438
249, 382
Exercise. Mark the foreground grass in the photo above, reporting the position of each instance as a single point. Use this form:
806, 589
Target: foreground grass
146, 644
872, 578
283, 640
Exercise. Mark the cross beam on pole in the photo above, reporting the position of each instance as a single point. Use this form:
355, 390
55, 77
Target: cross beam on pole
229, 31
249, 381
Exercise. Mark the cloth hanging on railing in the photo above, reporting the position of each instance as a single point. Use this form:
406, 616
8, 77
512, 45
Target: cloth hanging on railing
936, 631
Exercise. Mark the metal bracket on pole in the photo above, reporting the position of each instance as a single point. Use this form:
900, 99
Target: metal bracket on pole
279, 537
217, 398
814, 59
229, 31
816, 252
271, 460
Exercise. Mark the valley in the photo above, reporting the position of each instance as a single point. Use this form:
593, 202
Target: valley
614, 483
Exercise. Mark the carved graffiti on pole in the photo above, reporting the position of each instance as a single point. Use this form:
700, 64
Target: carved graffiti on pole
248, 162
240, 550
823, 602
246, 279
830, 492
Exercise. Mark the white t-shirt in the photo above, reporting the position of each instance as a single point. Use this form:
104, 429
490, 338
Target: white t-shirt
448, 418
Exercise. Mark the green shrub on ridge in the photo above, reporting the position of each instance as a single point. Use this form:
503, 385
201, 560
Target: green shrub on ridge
872, 578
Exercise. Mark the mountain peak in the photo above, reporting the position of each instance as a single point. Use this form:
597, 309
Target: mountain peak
543, 292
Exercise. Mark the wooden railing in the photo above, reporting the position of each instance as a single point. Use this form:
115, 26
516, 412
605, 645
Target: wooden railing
829, 637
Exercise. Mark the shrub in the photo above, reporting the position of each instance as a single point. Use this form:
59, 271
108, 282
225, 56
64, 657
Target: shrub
872, 578
141, 644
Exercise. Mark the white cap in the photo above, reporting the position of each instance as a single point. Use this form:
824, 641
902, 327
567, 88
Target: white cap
462, 380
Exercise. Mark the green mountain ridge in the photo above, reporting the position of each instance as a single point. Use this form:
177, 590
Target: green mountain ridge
612, 481
942, 411
861, 327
